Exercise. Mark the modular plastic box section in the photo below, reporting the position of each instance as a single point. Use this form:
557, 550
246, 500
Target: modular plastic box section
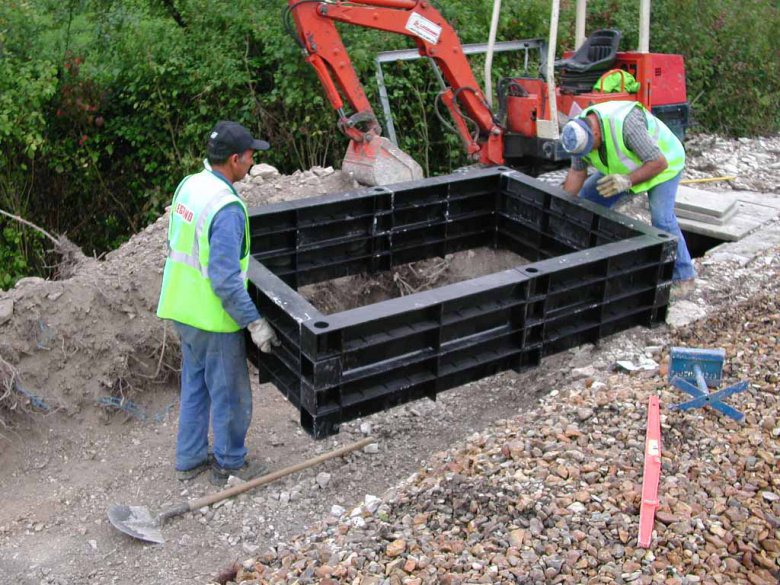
591, 272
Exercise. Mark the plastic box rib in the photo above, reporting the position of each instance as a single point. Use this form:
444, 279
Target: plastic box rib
591, 272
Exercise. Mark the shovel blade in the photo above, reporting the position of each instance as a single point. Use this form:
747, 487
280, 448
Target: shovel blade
380, 162
135, 521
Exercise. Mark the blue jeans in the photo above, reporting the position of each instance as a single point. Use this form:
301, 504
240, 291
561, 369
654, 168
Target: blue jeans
662, 216
214, 380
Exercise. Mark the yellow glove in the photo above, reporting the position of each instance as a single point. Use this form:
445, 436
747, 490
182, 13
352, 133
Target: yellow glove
611, 185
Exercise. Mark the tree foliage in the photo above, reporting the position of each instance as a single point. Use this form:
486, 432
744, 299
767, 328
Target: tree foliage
104, 105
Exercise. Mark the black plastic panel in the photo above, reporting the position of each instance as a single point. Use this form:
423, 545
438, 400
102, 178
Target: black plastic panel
593, 272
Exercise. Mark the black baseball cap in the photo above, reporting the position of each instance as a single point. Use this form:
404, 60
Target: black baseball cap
228, 138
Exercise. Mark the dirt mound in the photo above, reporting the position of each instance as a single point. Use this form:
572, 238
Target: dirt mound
349, 292
93, 337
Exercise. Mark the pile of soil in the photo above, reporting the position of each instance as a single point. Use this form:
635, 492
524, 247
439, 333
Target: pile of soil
92, 338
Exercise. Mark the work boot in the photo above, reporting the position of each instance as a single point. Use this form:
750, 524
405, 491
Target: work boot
249, 470
193, 472
682, 289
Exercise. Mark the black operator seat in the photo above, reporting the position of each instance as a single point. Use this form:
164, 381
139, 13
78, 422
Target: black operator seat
596, 55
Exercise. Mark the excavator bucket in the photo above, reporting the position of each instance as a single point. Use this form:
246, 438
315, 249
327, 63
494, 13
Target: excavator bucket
380, 162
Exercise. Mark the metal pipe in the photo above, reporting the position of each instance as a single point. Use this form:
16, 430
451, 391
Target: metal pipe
644, 26
549, 128
579, 29
489, 55
413, 54
385, 100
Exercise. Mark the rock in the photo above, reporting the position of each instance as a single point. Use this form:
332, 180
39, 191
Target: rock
322, 172
234, 481
647, 364
682, 313
6, 310
371, 503
323, 479
666, 517
516, 537
395, 548
29, 281
626, 366
337, 510
513, 450
365, 428
371, 448
582, 373
264, 171
584, 414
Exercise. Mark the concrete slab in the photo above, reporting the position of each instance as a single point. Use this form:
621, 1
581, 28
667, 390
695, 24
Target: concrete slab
704, 202
747, 248
706, 218
766, 199
752, 211
749, 217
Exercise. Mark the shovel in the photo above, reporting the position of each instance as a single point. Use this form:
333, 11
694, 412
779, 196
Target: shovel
137, 521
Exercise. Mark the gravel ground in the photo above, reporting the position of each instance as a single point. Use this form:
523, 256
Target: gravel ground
553, 495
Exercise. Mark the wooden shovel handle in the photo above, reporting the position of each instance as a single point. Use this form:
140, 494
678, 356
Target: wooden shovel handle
268, 478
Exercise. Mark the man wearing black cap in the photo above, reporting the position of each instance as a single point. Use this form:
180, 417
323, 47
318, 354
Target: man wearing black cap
204, 292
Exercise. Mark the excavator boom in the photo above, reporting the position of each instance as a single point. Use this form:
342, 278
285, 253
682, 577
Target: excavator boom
372, 158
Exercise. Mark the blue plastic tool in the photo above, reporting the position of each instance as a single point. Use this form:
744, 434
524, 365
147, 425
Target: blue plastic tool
704, 367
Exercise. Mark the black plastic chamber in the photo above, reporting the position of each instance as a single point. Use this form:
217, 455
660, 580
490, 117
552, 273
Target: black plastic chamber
592, 272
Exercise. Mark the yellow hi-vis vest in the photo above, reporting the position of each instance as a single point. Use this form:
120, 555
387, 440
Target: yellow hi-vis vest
187, 295
620, 159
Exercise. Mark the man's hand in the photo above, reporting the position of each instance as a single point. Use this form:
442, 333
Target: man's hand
611, 185
263, 335
575, 179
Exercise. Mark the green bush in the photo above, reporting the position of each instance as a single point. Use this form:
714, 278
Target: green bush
21, 253
105, 105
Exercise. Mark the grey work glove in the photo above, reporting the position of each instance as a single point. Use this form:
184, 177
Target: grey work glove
611, 185
263, 335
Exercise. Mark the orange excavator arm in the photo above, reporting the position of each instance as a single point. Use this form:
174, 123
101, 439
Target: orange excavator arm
435, 38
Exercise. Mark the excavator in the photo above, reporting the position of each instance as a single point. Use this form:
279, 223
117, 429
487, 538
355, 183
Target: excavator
532, 108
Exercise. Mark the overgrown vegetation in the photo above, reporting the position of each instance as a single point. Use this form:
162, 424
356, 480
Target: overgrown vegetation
104, 105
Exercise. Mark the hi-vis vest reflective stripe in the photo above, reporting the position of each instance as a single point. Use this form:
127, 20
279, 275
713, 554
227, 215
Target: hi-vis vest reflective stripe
187, 295
619, 158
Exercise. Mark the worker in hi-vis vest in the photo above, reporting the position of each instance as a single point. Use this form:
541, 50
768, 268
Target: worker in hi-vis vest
204, 292
632, 152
